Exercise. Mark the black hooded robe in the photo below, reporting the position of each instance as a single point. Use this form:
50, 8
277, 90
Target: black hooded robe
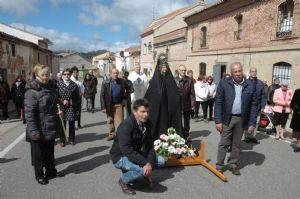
164, 102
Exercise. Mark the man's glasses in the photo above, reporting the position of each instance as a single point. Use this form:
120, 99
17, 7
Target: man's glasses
66, 74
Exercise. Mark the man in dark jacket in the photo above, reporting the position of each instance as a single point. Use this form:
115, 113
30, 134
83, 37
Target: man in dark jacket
235, 110
113, 99
129, 90
95, 82
132, 150
187, 97
4, 97
271, 91
259, 86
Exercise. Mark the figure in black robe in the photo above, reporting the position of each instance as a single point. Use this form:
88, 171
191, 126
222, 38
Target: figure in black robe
164, 100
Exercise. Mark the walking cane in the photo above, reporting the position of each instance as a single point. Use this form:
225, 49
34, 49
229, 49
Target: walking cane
62, 121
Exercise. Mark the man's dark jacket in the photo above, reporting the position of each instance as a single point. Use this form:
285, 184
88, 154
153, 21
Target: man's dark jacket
186, 91
106, 97
133, 143
224, 101
259, 86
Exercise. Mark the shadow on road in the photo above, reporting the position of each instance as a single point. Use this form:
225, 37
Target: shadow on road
250, 146
197, 134
94, 124
250, 158
4, 160
89, 137
159, 176
87, 165
79, 155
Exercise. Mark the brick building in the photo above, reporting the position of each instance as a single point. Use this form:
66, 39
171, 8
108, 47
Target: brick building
20, 51
260, 33
167, 35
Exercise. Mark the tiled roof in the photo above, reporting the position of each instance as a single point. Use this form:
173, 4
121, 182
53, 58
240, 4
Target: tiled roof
165, 18
133, 49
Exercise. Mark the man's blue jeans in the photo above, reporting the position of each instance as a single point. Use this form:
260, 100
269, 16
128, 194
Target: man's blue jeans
133, 171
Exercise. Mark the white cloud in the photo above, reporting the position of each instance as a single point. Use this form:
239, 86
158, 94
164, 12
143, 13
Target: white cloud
64, 40
115, 28
19, 7
137, 13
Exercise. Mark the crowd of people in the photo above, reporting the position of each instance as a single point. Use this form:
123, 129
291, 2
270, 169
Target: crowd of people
139, 111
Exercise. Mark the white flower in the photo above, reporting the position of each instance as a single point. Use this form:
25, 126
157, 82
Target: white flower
171, 149
171, 137
165, 145
191, 153
156, 148
157, 143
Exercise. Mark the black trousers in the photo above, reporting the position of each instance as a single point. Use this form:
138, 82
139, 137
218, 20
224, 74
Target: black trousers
79, 118
210, 104
204, 106
186, 124
93, 102
4, 107
42, 156
71, 132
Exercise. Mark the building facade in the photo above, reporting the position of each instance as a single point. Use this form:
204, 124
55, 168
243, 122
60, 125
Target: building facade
104, 63
134, 57
167, 35
70, 59
20, 51
262, 34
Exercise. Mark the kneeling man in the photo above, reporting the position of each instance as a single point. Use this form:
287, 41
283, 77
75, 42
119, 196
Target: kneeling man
132, 150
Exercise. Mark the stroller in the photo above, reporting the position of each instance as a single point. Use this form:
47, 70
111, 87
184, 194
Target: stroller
266, 120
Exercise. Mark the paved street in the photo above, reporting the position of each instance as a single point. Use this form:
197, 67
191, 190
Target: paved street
269, 170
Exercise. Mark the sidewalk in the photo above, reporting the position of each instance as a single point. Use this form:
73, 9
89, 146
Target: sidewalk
13, 121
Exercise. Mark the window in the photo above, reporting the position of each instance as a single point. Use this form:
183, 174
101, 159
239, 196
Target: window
13, 50
282, 70
203, 37
149, 47
285, 18
238, 27
202, 69
145, 48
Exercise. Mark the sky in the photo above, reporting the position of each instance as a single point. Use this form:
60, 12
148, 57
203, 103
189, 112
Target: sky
87, 25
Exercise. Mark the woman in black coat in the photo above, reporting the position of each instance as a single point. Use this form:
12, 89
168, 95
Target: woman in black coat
89, 91
295, 123
17, 93
41, 112
70, 98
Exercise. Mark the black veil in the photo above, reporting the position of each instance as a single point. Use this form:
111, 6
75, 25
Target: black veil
164, 101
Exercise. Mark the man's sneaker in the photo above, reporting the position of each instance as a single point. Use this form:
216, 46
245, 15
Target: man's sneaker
125, 188
235, 171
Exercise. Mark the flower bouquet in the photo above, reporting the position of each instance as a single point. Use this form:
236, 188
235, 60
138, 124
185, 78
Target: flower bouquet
172, 145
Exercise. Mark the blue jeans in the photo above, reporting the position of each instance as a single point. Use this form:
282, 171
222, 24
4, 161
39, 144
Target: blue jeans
133, 171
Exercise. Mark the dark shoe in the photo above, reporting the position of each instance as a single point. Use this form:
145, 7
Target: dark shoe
220, 169
251, 139
297, 149
79, 126
235, 171
57, 175
42, 180
125, 188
